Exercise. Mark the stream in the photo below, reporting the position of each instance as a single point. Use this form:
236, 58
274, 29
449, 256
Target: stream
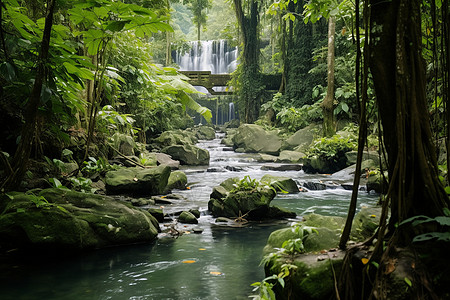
219, 263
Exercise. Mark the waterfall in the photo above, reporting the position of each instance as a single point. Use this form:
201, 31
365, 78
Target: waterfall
214, 56
230, 111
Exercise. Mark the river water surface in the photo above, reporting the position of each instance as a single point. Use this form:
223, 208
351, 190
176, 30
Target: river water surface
219, 263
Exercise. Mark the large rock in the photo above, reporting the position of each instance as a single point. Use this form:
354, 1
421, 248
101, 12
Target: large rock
252, 205
68, 220
137, 181
314, 277
176, 137
329, 229
291, 156
372, 155
280, 184
188, 154
177, 180
166, 160
254, 139
302, 139
187, 218
365, 223
205, 132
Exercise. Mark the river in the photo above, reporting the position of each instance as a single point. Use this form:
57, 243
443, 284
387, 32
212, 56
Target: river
220, 263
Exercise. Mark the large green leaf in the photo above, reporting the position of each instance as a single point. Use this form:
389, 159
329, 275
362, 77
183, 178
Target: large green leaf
187, 101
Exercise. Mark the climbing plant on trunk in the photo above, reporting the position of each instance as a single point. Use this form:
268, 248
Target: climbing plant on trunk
249, 77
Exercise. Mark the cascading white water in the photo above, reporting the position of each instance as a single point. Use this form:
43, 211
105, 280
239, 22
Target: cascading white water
214, 56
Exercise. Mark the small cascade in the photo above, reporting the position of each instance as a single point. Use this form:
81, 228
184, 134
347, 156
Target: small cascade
215, 56
230, 111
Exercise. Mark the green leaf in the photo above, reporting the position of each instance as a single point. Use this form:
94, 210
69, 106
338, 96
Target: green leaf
189, 102
447, 190
443, 220
408, 281
116, 26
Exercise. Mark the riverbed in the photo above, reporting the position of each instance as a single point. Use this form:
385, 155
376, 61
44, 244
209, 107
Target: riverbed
219, 263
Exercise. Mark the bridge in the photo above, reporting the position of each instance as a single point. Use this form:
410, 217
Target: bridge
208, 80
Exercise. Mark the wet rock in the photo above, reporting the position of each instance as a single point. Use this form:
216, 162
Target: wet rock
302, 139
375, 183
227, 149
280, 184
315, 186
254, 139
215, 170
177, 180
197, 230
234, 169
204, 132
283, 167
365, 223
290, 156
157, 213
313, 277
229, 183
142, 202
276, 212
195, 212
161, 200
176, 137
188, 154
72, 221
166, 160
266, 158
252, 205
137, 181
187, 218
367, 155
218, 192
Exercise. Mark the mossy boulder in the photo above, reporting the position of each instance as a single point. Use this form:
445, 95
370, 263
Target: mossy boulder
188, 154
136, 181
327, 236
367, 155
291, 156
71, 221
253, 205
280, 184
313, 278
177, 180
253, 138
176, 137
302, 139
187, 218
205, 132
365, 223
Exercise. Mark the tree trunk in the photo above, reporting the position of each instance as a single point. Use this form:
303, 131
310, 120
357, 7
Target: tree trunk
250, 77
400, 85
328, 103
23, 151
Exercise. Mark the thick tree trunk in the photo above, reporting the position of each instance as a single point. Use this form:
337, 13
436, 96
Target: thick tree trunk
399, 78
250, 77
23, 151
328, 102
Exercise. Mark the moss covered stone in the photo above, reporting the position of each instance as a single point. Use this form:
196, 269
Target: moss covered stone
281, 184
177, 180
73, 221
254, 139
188, 154
152, 181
